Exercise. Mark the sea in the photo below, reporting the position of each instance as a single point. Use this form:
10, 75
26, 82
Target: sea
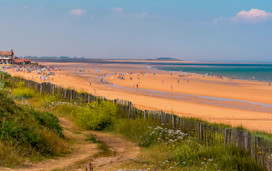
259, 72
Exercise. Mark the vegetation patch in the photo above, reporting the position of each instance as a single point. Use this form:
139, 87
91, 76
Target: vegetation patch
21, 92
97, 115
26, 133
103, 148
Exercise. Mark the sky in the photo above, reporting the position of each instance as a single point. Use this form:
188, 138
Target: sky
198, 30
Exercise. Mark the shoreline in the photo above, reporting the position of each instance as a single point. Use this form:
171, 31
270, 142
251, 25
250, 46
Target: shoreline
224, 77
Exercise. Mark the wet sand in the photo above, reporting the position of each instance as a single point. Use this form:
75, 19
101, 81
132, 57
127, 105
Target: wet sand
234, 102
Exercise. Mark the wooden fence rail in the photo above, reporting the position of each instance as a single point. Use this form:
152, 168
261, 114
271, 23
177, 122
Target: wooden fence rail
208, 134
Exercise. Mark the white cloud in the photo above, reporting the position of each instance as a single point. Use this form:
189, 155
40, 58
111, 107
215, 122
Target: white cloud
117, 10
142, 15
77, 12
252, 16
217, 20
26, 7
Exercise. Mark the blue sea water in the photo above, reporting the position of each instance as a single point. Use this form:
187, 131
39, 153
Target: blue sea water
260, 72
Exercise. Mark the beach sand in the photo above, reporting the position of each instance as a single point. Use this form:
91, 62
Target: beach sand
167, 87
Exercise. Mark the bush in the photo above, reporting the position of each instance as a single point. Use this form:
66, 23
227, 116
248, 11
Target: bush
48, 120
133, 129
23, 93
7, 106
46, 100
97, 115
160, 134
4, 84
27, 132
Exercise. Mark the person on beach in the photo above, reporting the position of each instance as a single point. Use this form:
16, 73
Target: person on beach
171, 87
133, 84
137, 85
178, 81
90, 83
269, 84
162, 81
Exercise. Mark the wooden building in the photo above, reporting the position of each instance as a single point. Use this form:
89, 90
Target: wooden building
6, 57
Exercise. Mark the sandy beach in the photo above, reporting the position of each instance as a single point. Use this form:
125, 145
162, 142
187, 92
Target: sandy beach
235, 102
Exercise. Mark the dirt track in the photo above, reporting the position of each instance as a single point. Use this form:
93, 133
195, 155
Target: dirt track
84, 152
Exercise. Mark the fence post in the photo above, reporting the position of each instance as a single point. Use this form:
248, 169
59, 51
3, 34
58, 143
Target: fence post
89, 98
248, 142
226, 136
144, 114
201, 131
41, 88
173, 122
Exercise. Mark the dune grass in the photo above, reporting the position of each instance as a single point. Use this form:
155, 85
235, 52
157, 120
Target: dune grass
27, 134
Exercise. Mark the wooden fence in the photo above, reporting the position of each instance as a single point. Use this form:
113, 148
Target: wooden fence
208, 134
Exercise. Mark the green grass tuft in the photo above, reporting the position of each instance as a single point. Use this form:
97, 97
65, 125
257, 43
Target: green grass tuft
26, 133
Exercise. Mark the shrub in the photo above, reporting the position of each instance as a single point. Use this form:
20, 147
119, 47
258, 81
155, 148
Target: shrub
23, 93
27, 132
4, 84
97, 115
160, 134
47, 100
48, 120
7, 106
132, 129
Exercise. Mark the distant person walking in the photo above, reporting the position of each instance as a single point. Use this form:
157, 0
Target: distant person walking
137, 85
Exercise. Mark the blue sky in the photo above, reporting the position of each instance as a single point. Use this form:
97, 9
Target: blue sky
210, 30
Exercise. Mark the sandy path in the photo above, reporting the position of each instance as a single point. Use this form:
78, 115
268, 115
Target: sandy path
125, 151
84, 151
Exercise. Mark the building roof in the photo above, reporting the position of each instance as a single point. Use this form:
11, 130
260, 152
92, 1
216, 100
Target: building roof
6, 53
21, 60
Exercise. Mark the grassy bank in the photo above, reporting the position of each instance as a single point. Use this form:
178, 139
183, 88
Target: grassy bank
26, 134
162, 147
